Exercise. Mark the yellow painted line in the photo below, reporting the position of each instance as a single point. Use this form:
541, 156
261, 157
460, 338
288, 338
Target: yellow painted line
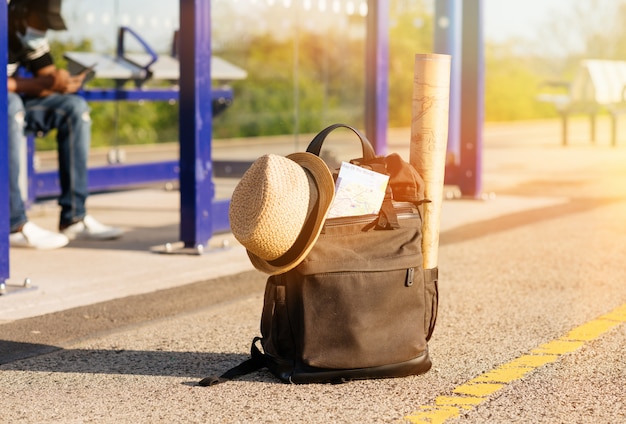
503, 375
433, 414
531, 361
558, 347
460, 401
477, 390
618, 314
591, 330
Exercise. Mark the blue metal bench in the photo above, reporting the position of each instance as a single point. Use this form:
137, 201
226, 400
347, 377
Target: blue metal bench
138, 69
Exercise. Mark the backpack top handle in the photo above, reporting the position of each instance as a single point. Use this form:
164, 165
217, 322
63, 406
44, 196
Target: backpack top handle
316, 144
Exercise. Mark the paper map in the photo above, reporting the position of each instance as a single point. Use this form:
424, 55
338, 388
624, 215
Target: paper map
358, 191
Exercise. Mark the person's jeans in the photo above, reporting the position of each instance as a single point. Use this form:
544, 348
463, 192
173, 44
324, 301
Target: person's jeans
69, 114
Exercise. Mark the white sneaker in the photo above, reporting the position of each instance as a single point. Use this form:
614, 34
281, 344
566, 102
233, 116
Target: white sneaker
37, 238
90, 228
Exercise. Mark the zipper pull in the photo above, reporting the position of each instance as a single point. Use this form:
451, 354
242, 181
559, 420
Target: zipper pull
409, 277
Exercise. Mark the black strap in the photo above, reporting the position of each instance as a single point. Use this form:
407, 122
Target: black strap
387, 217
315, 146
256, 362
431, 275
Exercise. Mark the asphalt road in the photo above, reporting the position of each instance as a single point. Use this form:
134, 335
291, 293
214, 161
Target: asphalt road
531, 323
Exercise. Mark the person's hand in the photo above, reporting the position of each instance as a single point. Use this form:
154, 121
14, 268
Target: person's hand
62, 82
75, 82
58, 80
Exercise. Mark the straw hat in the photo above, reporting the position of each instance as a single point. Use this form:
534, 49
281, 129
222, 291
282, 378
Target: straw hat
279, 207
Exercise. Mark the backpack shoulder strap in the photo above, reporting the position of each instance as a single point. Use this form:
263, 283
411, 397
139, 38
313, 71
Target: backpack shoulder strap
256, 362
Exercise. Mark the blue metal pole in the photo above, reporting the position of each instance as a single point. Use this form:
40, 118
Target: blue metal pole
4, 152
197, 189
472, 99
377, 74
448, 41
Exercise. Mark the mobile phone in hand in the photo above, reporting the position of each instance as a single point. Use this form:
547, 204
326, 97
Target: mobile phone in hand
88, 74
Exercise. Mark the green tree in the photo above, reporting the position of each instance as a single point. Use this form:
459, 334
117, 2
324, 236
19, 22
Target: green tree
118, 123
512, 84
411, 32
323, 74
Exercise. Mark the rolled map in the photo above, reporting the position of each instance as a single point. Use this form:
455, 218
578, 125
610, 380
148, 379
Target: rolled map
429, 140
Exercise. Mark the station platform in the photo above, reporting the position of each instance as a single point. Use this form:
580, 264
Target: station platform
531, 323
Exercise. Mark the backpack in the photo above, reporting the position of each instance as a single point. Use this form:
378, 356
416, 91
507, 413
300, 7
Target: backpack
360, 305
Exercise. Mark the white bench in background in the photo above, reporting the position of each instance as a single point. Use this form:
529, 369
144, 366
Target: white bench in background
598, 85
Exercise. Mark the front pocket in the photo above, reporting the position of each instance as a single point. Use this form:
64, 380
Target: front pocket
352, 244
361, 319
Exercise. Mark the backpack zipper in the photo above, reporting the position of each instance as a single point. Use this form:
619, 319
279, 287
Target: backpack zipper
410, 272
357, 219
403, 210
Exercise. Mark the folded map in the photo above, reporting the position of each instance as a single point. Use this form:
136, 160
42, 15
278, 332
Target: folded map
358, 191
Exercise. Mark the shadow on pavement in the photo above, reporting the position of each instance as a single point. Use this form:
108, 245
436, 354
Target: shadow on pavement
11, 351
192, 365
134, 239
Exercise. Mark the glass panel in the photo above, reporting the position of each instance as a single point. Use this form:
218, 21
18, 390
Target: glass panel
92, 38
304, 62
303, 59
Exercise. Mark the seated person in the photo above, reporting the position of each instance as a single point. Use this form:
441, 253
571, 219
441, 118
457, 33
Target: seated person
38, 104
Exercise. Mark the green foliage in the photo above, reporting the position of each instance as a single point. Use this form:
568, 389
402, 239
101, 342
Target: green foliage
118, 123
517, 70
306, 84
410, 34
300, 80
512, 85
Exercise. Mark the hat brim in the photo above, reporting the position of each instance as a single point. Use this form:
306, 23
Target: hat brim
325, 184
54, 21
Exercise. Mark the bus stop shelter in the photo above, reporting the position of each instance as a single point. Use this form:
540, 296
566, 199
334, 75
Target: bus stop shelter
458, 33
